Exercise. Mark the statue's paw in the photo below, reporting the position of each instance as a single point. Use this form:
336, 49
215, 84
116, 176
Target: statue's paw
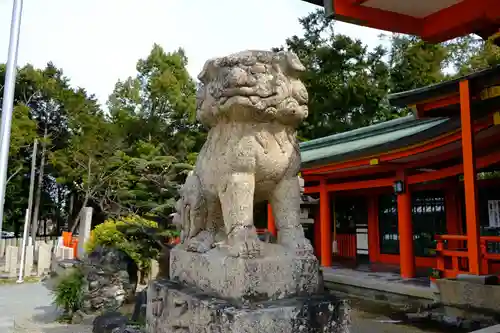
295, 240
304, 248
201, 243
244, 242
246, 249
196, 246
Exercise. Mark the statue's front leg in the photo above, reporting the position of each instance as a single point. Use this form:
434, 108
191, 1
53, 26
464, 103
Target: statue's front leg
205, 240
237, 199
285, 203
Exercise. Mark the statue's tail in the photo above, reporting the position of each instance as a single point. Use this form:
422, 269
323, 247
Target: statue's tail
190, 216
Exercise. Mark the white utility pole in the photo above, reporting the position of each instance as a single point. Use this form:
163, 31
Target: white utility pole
8, 99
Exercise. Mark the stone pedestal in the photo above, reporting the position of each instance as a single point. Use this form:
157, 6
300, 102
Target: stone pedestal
279, 274
174, 308
213, 292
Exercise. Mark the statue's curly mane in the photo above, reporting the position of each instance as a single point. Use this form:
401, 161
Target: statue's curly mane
252, 86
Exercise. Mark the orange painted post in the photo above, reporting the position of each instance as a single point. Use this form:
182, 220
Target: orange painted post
325, 226
67, 236
271, 226
469, 163
74, 245
406, 253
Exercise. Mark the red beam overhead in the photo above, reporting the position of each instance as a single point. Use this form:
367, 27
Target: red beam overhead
468, 16
349, 11
440, 24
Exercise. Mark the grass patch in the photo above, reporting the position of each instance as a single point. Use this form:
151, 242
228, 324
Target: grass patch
27, 279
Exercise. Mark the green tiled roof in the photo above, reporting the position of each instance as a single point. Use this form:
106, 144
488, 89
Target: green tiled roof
373, 139
482, 79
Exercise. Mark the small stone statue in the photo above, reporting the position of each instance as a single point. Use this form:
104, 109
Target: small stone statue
252, 102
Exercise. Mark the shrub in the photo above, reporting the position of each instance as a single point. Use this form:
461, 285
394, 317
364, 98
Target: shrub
136, 236
68, 291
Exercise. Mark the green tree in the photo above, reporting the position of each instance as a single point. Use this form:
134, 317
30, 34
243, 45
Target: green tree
149, 185
347, 83
158, 105
414, 63
91, 158
471, 54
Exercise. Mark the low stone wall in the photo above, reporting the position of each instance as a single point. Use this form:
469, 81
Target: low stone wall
469, 295
4, 242
38, 259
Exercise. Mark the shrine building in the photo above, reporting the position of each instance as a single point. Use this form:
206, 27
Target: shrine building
433, 20
422, 191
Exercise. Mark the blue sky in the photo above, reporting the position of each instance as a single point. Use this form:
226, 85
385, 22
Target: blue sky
97, 42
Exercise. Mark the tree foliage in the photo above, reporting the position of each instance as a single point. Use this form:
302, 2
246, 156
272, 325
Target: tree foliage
131, 157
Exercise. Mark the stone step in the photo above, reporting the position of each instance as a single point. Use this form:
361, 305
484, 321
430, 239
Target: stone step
491, 329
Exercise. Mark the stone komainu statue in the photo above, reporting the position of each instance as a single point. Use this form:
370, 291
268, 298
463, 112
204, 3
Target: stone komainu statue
252, 102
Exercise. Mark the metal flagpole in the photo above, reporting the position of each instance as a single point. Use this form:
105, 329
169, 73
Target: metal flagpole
8, 99
27, 218
32, 186
23, 249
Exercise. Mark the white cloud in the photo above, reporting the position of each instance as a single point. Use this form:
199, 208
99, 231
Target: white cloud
97, 42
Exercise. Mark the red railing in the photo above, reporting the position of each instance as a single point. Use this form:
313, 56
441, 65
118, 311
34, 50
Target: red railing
490, 262
346, 245
452, 257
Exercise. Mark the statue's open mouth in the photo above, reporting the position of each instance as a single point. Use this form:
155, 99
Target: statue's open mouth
249, 92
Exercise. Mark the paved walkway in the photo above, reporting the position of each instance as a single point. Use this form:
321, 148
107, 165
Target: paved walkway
28, 308
22, 300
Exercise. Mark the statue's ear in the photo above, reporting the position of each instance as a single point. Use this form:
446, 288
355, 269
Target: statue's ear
293, 63
205, 75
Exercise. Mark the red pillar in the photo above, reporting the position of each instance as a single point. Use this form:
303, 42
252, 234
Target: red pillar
325, 226
373, 234
406, 253
271, 226
452, 215
469, 162
317, 234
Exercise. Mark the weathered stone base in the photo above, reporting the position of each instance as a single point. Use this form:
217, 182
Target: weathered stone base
173, 308
279, 274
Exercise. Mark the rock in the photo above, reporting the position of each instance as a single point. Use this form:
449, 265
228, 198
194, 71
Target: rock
109, 322
140, 306
176, 308
110, 280
128, 329
82, 318
418, 316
